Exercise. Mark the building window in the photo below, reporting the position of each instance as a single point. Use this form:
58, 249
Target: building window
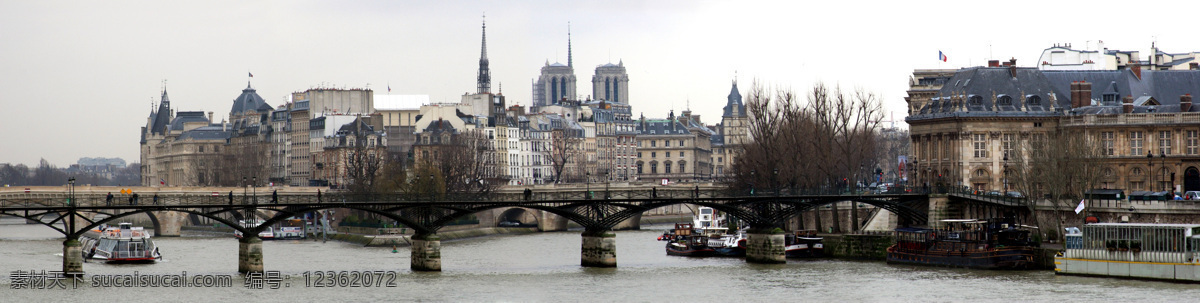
653, 154
681, 143
653, 168
653, 143
639, 167
975, 100
980, 143
1106, 143
1135, 143
639, 154
666, 143
666, 168
682, 167
1164, 142
1006, 144
946, 150
681, 154
1034, 100
1193, 142
667, 154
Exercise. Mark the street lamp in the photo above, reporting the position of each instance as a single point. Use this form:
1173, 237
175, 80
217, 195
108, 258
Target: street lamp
254, 189
752, 181
71, 192
588, 180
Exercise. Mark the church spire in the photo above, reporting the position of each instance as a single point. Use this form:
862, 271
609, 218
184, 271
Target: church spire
569, 61
484, 80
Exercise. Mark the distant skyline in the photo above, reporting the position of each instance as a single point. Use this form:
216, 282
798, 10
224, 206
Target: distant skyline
80, 77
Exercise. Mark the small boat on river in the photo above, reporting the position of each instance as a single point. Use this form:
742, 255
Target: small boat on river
1132, 250
969, 243
803, 244
122, 244
687, 244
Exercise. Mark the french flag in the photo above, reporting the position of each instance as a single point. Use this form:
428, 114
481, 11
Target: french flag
161, 181
942, 56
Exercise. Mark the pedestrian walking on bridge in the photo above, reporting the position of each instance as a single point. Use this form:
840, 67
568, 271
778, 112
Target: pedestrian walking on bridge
108, 199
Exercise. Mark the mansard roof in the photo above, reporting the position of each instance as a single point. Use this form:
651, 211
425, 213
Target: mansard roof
1164, 85
247, 101
187, 117
205, 133
661, 127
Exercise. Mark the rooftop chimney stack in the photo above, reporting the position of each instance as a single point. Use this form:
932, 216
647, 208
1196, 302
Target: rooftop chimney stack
1185, 103
1127, 104
1136, 68
993, 63
1193, 66
1085, 93
1012, 67
1075, 94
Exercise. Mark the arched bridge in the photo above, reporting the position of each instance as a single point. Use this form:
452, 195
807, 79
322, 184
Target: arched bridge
596, 211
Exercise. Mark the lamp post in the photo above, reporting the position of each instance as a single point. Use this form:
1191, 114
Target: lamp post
71, 201
775, 181
588, 180
606, 180
254, 189
752, 182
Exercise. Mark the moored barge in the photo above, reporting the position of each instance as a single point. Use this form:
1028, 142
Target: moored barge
969, 243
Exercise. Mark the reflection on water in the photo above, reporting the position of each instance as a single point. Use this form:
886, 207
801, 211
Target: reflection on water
545, 267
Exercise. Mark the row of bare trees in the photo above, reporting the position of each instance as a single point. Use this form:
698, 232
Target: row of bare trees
1057, 167
822, 143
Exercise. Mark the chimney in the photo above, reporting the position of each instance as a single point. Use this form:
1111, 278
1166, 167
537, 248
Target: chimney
1075, 94
1136, 68
1185, 103
1193, 66
1085, 93
1127, 104
1012, 67
993, 63
210, 117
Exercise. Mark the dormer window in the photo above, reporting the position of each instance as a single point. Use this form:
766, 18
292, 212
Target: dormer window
1034, 100
1109, 98
975, 100
1004, 101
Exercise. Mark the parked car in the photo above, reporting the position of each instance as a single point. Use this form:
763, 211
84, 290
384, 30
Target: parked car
1191, 195
1015, 194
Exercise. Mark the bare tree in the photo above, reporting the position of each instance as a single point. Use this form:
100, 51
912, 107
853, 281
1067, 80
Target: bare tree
565, 147
1058, 168
469, 165
821, 145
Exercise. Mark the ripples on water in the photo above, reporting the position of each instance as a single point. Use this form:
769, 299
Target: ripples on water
544, 267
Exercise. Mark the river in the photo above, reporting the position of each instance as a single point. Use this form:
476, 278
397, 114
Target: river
544, 267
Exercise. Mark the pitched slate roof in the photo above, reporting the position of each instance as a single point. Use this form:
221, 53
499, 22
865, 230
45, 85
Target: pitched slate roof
187, 117
734, 100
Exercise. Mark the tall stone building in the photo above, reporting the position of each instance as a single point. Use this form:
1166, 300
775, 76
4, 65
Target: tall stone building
1143, 121
675, 149
731, 134
611, 83
557, 81
182, 150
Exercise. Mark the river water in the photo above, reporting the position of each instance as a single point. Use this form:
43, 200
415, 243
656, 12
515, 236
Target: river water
544, 267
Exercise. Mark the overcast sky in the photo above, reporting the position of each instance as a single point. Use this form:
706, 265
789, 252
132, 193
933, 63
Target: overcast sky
79, 77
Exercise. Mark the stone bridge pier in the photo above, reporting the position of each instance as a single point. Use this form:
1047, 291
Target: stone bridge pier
169, 223
765, 246
599, 249
250, 255
72, 257
426, 252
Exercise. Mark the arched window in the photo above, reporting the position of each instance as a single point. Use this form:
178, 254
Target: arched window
1034, 100
981, 173
1136, 171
